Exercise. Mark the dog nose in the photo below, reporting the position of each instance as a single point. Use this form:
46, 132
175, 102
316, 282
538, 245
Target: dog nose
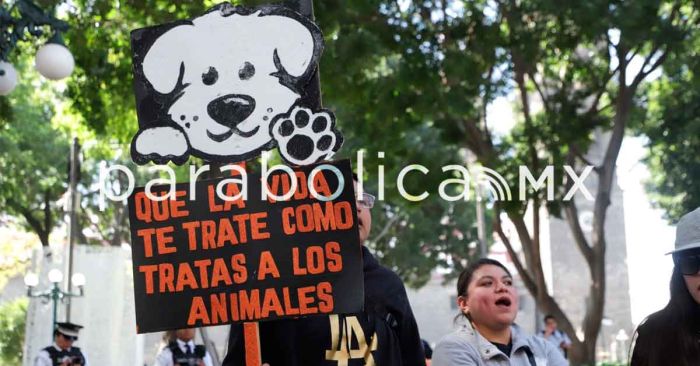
231, 109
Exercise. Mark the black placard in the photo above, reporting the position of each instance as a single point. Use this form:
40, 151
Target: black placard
210, 262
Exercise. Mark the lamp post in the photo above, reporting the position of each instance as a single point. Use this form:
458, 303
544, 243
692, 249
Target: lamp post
54, 294
622, 337
607, 323
22, 20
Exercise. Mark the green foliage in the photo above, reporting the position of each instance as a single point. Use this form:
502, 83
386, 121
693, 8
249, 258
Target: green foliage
393, 70
413, 80
34, 157
13, 317
101, 89
672, 124
100, 94
410, 79
15, 251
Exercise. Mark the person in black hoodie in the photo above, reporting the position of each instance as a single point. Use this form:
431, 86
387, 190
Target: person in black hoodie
384, 334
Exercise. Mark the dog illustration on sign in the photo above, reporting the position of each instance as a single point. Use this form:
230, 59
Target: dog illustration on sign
228, 85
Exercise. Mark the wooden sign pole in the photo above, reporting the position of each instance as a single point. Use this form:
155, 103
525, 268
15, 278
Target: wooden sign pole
251, 337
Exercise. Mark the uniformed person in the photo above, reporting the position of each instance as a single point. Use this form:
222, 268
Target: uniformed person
183, 352
62, 352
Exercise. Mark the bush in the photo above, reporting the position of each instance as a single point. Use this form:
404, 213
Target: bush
13, 316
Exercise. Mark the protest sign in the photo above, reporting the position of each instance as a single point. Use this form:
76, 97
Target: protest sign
210, 256
229, 84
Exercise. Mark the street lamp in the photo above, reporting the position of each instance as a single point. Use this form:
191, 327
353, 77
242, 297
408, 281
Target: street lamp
17, 23
606, 322
622, 337
54, 294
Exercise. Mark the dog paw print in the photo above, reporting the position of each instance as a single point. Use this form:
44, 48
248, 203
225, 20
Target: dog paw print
304, 137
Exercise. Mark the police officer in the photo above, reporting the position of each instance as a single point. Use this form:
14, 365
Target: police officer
183, 352
62, 352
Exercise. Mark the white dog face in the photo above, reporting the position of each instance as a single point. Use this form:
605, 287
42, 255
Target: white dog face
227, 75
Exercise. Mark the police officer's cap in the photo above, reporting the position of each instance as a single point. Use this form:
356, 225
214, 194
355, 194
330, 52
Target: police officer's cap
68, 329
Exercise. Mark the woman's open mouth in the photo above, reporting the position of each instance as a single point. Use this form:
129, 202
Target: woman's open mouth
504, 302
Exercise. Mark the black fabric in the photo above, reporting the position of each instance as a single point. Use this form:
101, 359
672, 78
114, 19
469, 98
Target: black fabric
530, 356
57, 356
427, 350
505, 348
387, 317
659, 342
189, 358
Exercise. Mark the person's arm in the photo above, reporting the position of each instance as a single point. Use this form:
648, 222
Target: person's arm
409, 338
43, 359
452, 351
207, 360
554, 356
566, 341
164, 357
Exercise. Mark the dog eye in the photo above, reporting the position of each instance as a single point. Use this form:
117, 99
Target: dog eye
210, 77
247, 71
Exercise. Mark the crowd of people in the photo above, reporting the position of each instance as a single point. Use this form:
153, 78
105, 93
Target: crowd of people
385, 333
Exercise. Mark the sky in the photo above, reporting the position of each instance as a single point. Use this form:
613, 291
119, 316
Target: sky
648, 235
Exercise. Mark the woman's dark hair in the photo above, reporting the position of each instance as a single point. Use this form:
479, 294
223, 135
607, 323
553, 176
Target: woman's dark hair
670, 336
466, 276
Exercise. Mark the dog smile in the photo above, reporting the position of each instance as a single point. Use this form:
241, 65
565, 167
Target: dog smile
223, 136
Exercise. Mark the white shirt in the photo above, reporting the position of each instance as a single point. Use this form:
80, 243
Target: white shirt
44, 359
165, 356
557, 338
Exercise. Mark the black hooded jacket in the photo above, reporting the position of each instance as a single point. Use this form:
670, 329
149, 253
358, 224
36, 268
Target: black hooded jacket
384, 334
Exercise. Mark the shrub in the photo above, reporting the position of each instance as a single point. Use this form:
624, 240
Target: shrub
13, 316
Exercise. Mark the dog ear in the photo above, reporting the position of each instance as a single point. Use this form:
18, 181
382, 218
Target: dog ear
163, 64
297, 47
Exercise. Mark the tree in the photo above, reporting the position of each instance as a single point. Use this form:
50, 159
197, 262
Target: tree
414, 79
34, 160
672, 125
101, 95
13, 316
101, 90
441, 64
34, 140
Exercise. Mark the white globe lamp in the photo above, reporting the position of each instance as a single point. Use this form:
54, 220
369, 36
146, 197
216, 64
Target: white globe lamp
78, 280
8, 78
55, 276
31, 279
54, 61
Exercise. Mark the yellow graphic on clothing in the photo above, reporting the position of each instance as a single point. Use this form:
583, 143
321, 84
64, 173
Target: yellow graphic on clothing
342, 337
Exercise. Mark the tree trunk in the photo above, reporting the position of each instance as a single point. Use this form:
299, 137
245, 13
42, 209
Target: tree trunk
44, 238
41, 231
582, 353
